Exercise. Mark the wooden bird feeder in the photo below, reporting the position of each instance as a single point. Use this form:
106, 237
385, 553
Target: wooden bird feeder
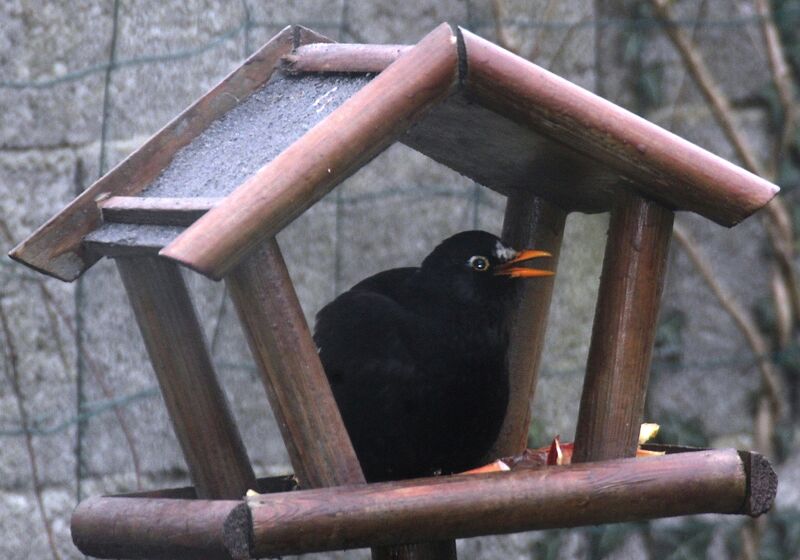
320, 111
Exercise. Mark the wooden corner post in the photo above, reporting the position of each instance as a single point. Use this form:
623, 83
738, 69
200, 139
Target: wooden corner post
624, 329
203, 423
530, 222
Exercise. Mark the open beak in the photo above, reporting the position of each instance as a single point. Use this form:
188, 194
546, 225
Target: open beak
508, 268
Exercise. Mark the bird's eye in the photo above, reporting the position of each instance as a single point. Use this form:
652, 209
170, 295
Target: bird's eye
479, 263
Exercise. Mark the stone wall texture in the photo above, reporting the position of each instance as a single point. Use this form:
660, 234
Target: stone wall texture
83, 83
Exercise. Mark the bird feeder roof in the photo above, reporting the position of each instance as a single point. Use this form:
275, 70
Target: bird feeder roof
302, 114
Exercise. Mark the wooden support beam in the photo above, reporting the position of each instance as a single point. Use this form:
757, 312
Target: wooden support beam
298, 390
131, 527
125, 240
203, 423
530, 222
664, 166
155, 210
710, 481
342, 57
343, 142
471, 505
624, 329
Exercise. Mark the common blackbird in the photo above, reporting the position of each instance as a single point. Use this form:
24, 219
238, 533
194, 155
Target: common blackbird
416, 357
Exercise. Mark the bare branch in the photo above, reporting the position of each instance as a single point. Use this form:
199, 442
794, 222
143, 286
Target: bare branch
12, 374
743, 320
781, 75
100, 378
782, 302
52, 306
559, 51
545, 35
777, 222
719, 104
780, 232
503, 38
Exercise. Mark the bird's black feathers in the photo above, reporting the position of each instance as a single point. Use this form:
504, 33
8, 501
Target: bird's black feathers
416, 360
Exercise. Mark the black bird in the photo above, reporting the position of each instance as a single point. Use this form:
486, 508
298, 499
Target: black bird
416, 357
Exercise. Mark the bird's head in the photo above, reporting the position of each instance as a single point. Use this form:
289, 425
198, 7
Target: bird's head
476, 265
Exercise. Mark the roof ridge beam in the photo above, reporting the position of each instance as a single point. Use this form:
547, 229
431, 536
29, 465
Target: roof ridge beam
660, 164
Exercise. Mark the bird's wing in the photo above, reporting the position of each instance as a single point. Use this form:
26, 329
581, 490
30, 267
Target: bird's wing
374, 375
362, 329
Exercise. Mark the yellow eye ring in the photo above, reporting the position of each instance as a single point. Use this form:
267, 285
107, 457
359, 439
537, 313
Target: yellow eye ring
479, 263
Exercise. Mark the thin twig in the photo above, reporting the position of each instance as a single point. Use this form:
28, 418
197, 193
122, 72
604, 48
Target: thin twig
785, 297
55, 332
102, 382
542, 35
6, 231
719, 104
782, 303
746, 324
559, 51
52, 306
769, 403
781, 76
503, 38
12, 374
684, 83
777, 223
777, 219
749, 548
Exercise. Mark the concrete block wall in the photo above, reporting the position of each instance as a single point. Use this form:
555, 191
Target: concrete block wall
84, 83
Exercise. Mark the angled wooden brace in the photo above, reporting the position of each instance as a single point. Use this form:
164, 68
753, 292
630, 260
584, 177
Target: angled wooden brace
530, 222
203, 423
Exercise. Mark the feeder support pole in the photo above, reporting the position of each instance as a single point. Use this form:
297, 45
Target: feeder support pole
196, 403
530, 222
624, 329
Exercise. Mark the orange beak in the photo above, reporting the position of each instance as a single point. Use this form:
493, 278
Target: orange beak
508, 268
